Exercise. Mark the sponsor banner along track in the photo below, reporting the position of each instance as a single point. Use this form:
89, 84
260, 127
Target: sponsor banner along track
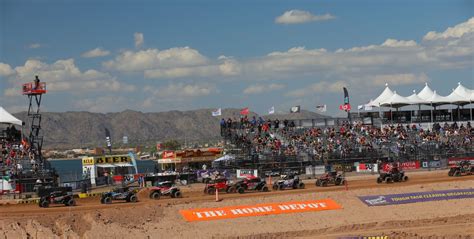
206, 214
391, 199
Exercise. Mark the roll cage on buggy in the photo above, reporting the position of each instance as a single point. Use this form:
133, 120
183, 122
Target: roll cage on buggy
288, 181
332, 177
166, 188
129, 194
57, 197
250, 184
393, 175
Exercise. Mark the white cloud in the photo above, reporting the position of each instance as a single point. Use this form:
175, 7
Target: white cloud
97, 52
64, 75
399, 79
452, 32
173, 63
299, 16
34, 45
396, 43
226, 68
5, 69
257, 89
390, 57
156, 59
138, 37
320, 87
181, 90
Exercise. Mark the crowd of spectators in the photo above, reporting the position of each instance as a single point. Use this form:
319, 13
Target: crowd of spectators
15, 154
354, 140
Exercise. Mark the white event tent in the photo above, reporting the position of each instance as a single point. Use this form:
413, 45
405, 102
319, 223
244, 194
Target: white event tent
460, 96
7, 118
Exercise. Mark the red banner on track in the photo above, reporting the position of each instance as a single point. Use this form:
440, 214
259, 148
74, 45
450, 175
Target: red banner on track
403, 166
206, 214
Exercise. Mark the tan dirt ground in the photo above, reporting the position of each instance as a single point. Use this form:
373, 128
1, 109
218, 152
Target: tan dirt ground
161, 219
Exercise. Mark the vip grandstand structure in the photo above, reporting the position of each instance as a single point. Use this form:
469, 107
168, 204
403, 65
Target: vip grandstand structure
418, 136
425, 107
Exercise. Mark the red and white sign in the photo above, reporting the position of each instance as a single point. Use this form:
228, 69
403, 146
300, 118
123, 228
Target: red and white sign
168, 155
367, 168
454, 161
410, 165
246, 173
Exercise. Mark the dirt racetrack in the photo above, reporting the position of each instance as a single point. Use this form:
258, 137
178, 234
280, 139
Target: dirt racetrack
161, 219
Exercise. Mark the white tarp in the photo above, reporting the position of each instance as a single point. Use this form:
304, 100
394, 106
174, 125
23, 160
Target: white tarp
384, 96
225, 158
105, 165
123, 164
7, 118
415, 99
436, 99
426, 92
463, 91
461, 95
396, 101
457, 99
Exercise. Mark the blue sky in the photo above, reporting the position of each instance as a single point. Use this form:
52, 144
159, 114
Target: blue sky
180, 55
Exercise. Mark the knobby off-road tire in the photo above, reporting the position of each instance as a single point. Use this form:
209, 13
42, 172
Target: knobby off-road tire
70, 202
133, 198
107, 200
155, 195
44, 203
177, 194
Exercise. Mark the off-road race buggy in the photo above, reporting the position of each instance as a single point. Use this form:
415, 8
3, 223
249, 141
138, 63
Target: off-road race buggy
332, 177
288, 181
393, 175
167, 188
250, 184
221, 184
57, 197
461, 168
128, 194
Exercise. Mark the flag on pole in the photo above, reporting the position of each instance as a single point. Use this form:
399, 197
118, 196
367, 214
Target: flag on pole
295, 109
271, 110
321, 108
245, 111
218, 112
359, 107
345, 107
108, 140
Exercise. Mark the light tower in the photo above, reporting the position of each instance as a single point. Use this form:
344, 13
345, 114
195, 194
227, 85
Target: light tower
34, 91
